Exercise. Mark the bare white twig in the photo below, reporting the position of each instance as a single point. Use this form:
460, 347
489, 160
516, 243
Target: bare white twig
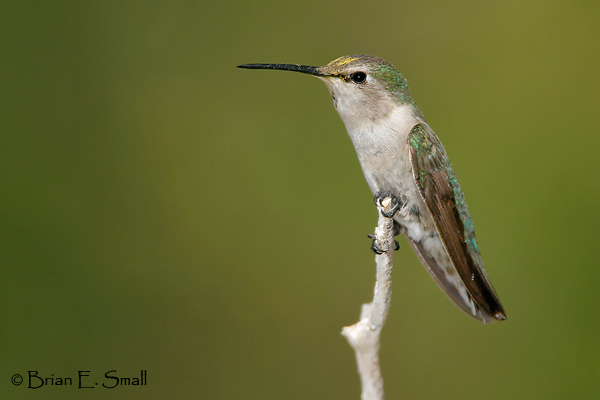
364, 335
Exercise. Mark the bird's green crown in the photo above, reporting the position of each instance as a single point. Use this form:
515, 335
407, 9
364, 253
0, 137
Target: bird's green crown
392, 80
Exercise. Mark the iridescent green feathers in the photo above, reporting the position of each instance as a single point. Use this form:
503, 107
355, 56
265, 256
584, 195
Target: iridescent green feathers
445, 200
395, 83
431, 156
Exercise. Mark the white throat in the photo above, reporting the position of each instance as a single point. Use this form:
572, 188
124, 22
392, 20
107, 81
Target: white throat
388, 133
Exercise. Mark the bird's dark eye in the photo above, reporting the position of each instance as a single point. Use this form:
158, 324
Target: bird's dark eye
358, 77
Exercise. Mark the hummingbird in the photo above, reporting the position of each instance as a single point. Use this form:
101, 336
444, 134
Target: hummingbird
402, 158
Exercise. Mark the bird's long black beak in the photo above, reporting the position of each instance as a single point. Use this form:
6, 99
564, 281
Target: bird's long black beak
305, 69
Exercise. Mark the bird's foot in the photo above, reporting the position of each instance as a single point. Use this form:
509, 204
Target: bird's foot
383, 198
375, 247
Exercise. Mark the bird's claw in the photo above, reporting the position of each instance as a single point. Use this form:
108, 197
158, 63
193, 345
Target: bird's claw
379, 199
375, 247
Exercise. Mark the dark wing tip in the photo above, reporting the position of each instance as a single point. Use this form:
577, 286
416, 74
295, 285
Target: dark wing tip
500, 315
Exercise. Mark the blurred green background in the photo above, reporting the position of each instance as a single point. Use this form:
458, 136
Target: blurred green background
163, 210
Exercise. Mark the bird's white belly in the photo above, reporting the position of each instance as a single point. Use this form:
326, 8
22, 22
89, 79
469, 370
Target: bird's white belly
394, 175
384, 155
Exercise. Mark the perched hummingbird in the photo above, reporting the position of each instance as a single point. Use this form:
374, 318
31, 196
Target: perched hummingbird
401, 157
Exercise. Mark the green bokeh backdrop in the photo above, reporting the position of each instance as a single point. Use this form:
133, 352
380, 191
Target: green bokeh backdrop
163, 210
